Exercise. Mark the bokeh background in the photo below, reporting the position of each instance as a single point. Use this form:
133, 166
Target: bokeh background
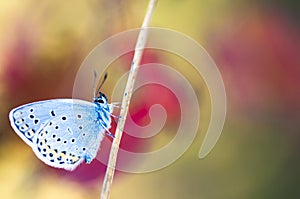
256, 47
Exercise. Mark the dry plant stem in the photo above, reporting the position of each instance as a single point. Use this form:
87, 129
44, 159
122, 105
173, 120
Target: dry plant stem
138, 52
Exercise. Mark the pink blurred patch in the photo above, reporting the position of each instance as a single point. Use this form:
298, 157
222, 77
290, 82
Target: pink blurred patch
260, 63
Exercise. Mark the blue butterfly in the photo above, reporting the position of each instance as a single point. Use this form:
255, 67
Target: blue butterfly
63, 132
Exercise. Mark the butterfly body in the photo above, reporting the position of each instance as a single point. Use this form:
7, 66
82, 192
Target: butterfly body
63, 132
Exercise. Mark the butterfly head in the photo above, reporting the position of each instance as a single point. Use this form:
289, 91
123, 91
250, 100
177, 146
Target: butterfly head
102, 99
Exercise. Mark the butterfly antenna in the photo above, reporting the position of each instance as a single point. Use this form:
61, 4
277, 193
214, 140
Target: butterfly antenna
104, 78
94, 84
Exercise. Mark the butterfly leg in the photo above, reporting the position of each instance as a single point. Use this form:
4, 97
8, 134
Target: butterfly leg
115, 116
116, 104
107, 131
109, 134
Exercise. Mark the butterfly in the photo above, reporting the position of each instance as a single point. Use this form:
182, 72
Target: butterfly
63, 132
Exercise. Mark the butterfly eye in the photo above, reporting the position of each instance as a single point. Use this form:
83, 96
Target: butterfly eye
100, 101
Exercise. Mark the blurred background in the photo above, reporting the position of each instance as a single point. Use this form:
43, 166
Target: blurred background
255, 45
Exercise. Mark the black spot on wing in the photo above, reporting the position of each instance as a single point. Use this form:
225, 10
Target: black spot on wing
52, 113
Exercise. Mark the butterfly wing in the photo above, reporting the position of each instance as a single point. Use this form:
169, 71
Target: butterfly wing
67, 131
29, 119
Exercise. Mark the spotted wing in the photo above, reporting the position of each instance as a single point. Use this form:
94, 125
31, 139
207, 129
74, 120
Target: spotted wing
29, 119
67, 131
